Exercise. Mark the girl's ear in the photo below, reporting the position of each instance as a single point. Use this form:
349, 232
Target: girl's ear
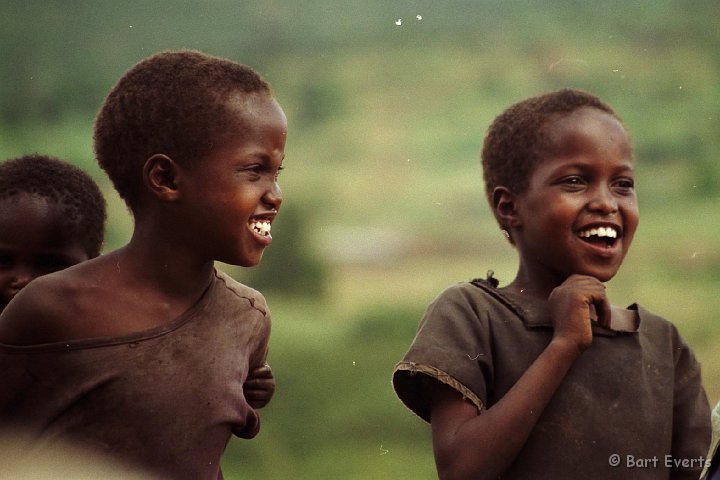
504, 203
160, 177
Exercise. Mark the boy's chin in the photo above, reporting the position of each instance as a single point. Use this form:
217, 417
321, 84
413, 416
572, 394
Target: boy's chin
603, 275
249, 262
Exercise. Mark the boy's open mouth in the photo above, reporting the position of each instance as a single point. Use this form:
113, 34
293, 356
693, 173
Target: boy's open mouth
599, 235
261, 227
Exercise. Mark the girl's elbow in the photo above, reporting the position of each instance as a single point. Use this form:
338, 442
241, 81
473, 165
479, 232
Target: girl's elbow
458, 469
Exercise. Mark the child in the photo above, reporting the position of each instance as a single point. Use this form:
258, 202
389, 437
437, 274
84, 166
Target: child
543, 378
712, 465
142, 353
52, 216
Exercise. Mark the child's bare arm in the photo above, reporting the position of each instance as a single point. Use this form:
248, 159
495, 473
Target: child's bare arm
472, 445
259, 387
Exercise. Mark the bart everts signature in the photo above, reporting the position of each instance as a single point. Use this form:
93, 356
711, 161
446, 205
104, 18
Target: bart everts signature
668, 461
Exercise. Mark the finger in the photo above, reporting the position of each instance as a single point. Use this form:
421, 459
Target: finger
604, 312
262, 371
259, 384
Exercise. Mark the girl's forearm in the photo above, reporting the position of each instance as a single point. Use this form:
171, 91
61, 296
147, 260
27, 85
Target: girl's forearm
485, 445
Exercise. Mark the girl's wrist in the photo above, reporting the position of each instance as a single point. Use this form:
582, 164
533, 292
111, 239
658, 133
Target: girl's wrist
566, 348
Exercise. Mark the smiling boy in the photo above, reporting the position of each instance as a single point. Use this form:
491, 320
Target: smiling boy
543, 378
145, 353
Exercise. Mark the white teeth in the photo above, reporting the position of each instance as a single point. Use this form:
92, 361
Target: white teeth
261, 227
599, 232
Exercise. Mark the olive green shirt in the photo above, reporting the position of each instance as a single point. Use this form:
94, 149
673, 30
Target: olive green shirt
631, 398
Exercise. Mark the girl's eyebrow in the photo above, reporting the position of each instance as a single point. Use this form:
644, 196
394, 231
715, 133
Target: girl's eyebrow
263, 156
589, 165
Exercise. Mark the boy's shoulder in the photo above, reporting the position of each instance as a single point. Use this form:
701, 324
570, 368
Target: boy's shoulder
41, 309
482, 294
653, 325
242, 291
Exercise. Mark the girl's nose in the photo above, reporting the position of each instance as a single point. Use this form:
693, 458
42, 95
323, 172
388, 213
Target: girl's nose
21, 277
603, 201
273, 197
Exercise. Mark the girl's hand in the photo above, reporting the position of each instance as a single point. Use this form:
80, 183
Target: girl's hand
573, 305
259, 386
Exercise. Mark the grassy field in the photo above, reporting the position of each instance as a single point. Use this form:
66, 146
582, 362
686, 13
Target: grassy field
382, 171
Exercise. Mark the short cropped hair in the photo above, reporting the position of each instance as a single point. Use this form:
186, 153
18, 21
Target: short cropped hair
174, 103
79, 198
516, 140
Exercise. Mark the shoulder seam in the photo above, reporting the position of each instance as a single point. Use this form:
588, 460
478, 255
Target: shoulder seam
251, 300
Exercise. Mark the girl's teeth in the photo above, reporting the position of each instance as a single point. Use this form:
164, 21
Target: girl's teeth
599, 232
261, 227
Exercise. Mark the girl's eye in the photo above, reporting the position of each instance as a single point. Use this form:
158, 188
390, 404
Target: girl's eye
252, 171
625, 184
6, 261
280, 169
572, 181
53, 263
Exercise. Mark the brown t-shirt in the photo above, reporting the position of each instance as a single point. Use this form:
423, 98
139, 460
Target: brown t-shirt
637, 395
167, 399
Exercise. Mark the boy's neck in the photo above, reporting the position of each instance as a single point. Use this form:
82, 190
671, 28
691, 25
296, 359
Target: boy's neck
527, 286
164, 265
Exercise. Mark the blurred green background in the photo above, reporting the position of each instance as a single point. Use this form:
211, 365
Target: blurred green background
388, 102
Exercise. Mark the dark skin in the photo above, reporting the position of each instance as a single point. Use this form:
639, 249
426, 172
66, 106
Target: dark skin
259, 387
586, 183
32, 243
166, 266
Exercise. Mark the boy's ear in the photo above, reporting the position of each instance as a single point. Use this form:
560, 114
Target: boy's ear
505, 205
160, 177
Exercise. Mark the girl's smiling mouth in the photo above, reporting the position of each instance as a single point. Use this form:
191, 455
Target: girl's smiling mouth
261, 226
603, 236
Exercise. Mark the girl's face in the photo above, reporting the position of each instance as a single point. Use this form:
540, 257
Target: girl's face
580, 211
233, 196
32, 243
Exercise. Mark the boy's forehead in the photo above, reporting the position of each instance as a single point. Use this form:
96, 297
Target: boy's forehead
576, 131
26, 202
244, 104
32, 216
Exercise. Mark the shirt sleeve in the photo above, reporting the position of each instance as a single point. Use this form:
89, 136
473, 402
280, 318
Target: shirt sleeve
452, 346
691, 414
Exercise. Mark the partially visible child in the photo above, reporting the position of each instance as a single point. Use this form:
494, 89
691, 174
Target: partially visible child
143, 353
542, 378
52, 216
712, 467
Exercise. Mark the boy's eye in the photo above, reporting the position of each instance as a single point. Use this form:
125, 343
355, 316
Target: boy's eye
252, 171
53, 263
280, 169
6, 261
624, 184
573, 181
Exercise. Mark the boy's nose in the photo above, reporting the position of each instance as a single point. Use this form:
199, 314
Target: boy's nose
274, 197
603, 201
19, 279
